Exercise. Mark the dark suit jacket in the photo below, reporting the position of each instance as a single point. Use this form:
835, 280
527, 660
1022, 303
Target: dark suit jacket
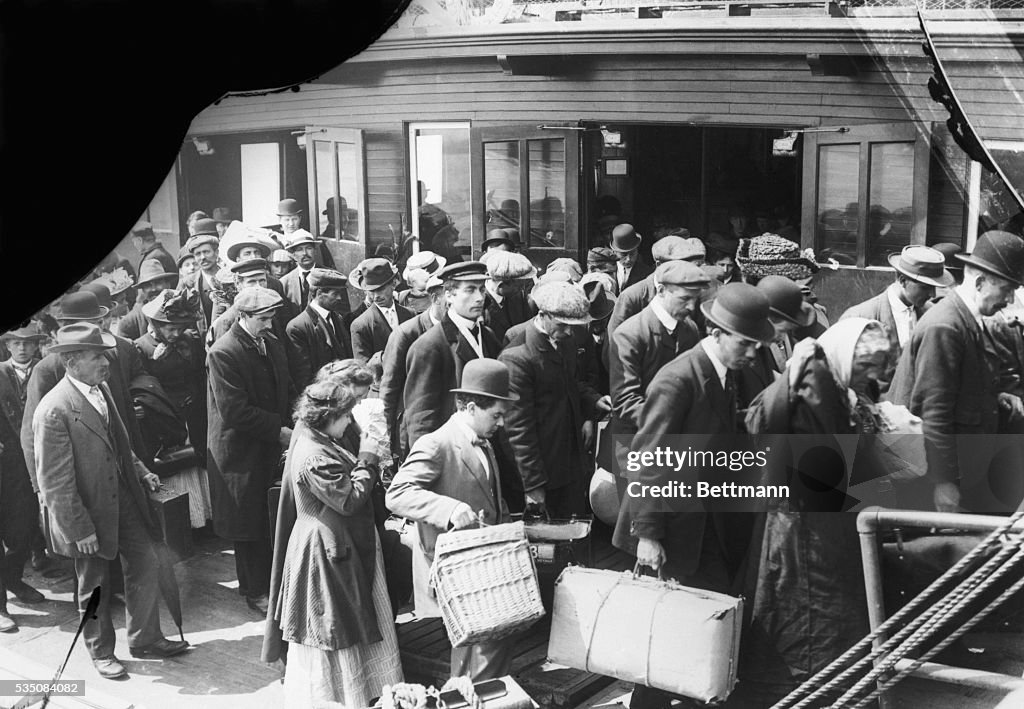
641, 270
514, 309
948, 378
310, 345
248, 399
878, 308
641, 346
294, 291
544, 426
197, 281
434, 368
392, 383
158, 252
133, 325
685, 397
126, 366
370, 331
79, 460
15, 485
631, 301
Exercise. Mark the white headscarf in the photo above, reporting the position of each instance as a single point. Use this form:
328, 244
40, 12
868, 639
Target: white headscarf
839, 343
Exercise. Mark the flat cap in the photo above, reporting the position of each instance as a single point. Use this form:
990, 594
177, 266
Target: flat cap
563, 301
256, 300
555, 277
198, 240
507, 265
253, 265
183, 255
281, 256
677, 248
463, 271
326, 278
681, 273
602, 254
569, 266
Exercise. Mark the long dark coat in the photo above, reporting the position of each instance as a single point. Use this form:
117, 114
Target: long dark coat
15, 483
182, 374
248, 396
310, 345
133, 325
370, 331
392, 383
321, 588
515, 308
126, 365
434, 368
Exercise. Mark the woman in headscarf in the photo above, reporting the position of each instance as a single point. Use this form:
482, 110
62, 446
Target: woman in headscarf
329, 599
804, 574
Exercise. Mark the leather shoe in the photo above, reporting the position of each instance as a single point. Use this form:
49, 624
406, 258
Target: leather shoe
161, 648
260, 604
109, 667
7, 624
40, 560
25, 593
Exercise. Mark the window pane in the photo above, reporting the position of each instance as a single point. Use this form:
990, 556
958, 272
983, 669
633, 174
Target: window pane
348, 189
997, 208
547, 192
442, 178
261, 183
838, 203
324, 186
891, 199
501, 184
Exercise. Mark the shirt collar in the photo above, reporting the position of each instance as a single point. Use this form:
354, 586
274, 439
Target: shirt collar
241, 324
708, 343
464, 323
492, 289
430, 314
667, 320
895, 301
320, 310
462, 419
80, 385
968, 294
22, 367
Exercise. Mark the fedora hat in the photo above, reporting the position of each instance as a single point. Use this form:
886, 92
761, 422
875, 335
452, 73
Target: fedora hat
29, 331
486, 377
288, 208
786, 300
999, 253
300, 237
153, 270
425, 260
82, 305
82, 336
602, 303
625, 239
741, 309
373, 273
173, 307
922, 264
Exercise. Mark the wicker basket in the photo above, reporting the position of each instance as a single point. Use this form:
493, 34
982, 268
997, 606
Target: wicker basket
486, 583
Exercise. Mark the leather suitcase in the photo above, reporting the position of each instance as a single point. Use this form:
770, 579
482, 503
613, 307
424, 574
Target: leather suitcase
173, 516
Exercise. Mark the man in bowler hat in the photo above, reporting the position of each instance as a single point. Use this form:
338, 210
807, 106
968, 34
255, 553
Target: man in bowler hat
450, 481
626, 245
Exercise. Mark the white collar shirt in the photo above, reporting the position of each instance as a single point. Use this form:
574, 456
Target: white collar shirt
968, 294
667, 320
465, 325
479, 450
708, 343
903, 315
93, 395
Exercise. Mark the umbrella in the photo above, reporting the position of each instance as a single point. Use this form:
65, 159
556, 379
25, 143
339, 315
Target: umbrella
169, 584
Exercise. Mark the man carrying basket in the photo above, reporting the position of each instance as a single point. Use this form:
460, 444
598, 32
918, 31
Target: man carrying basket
450, 481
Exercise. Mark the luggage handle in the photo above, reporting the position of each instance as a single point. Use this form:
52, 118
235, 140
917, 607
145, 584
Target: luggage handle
637, 574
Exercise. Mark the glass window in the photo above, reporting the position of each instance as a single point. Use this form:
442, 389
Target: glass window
261, 182
891, 200
991, 205
547, 192
501, 184
838, 219
325, 184
348, 186
441, 188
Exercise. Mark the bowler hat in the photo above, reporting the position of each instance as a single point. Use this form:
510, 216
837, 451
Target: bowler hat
153, 270
298, 238
496, 237
82, 336
330, 206
253, 265
326, 278
102, 292
625, 239
30, 331
288, 208
486, 377
922, 264
425, 260
173, 307
681, 273
205, 227
256, 300
83, 305
602, 303
250, 242
949, 252
786, 299
464, 271
741, 309
222, 215
373, 273
1000, 253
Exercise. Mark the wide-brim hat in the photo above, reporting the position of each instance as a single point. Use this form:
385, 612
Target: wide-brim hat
625, 239
922, 264
602, 303
424, 260
772, 255
999, 253
486, 377
173, 307
82, 336
288, 208
741, 309
373, 274
152, 270
298, 238
252, 242
81, 305
786, 300
30, 331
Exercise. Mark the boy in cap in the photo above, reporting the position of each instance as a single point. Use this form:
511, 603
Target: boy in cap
281, 263
506, 304
253, 273
418, 270
450, 481
545, 424
318, 335
249, 396
370, 331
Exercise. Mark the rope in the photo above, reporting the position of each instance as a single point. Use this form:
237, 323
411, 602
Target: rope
787, 702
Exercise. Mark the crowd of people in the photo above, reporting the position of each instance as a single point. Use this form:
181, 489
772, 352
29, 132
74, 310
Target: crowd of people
457, 392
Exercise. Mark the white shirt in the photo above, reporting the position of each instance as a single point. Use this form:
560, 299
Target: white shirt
708, 343
432, 318
623, 272
464, 326
93, 395
324, 313
22, 370
260, 344
667, 320
968, 294
390, 314
481, 454
904, 315
492, 288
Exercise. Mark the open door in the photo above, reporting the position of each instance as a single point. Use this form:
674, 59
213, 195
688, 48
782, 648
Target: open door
527, 178
336, 169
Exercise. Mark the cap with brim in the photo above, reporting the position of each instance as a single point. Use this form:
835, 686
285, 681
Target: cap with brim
236, 247
786, 300
82, 336
464, 271
425, 260
922, 264
508, 266
253, 265
281, 256
153, 270
324, 278
602, 254
486, 377
82, 305
717, 242
256, 299
183, 255
201, 240
29, 332
625, 239
741, 309
683, 274
373, 274
999, 253
564, 302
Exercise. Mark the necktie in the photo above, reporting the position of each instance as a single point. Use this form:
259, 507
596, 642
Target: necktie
391, 317
730, 395
261, 346
100, 403
492, 471
304, 286
475, 334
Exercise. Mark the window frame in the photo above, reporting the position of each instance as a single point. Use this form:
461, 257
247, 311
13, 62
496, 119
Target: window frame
412, 204
974, 190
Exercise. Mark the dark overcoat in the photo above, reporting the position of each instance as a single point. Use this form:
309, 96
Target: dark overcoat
133, 325
311, 346
515, 308
248, 396
392, 383
15, 484
370, 331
